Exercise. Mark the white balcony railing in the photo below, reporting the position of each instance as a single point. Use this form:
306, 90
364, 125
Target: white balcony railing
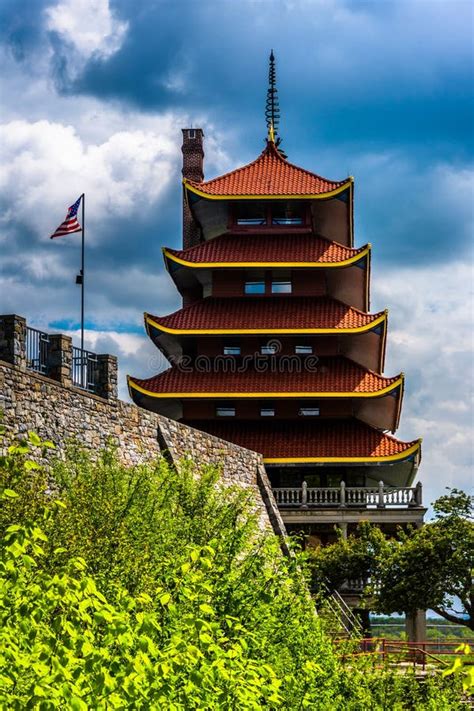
343, 496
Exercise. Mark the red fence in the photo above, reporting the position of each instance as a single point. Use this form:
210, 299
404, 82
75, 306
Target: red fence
388, 651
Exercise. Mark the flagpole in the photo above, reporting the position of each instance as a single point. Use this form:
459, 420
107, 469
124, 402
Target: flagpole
82, 271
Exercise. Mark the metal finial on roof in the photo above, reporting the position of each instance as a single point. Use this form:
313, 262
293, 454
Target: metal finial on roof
272, 107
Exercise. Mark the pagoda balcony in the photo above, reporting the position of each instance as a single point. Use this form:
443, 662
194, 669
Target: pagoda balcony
360, 497
346, 506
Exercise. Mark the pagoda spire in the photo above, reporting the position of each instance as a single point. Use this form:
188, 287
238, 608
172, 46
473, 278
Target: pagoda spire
272, 107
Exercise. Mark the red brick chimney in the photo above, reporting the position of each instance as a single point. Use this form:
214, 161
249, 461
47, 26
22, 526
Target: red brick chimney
193, 169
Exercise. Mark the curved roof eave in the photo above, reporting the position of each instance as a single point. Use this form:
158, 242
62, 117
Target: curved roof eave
154, 322
400, 456
196, 395
361, 254
269, 176
263, 196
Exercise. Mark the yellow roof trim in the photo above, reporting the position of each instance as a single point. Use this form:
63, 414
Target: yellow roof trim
245, 331
323, 460
239, 395
318, 196
207, 265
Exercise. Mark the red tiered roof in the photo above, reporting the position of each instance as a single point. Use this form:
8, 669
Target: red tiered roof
275, 249
269, 175
333, 376
332, 441
266, 314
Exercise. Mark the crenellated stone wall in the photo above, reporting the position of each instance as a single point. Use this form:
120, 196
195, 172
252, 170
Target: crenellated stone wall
57, 410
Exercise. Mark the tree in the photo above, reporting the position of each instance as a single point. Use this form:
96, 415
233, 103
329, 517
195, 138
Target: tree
426, 568
356, 557
431, 567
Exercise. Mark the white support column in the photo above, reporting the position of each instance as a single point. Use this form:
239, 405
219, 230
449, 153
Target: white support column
304, 495
342, 502
381, 504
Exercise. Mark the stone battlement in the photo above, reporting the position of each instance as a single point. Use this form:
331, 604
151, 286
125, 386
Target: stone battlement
54, 356
49, 386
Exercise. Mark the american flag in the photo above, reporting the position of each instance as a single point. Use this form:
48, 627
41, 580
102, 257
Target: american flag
70, 224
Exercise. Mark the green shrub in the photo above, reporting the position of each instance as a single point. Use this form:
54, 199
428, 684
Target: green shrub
63, 643
150, 588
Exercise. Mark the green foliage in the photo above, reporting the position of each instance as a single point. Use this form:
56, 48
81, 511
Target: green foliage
383, 690
463, 666
431, 569
425, 568
354, 557
63, 642
230, 615
457, 503
149, 588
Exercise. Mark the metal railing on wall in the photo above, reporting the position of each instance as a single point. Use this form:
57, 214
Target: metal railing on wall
85, 370
37, 350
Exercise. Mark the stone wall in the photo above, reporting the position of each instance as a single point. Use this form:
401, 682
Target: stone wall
57, 410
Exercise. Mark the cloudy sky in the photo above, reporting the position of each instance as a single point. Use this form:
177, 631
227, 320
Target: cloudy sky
94, 94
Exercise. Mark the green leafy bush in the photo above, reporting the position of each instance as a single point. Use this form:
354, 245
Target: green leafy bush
63, 642
150, 588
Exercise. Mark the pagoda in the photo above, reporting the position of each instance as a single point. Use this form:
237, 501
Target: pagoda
275, 347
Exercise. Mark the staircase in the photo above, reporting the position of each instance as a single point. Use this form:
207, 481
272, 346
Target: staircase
339, 620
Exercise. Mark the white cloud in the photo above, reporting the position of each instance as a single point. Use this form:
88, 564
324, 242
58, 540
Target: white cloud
430, 339
87, 25
136, 354
54, 147
46, 165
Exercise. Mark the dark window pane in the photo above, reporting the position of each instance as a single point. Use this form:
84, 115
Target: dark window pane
251, 213
287, 213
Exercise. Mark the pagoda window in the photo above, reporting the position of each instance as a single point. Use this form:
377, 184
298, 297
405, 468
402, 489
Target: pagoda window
303, 350
288, 213
255, 287
232, 350
267, 412
269, 349
308, 411
225, 411
281, 287
250, 213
